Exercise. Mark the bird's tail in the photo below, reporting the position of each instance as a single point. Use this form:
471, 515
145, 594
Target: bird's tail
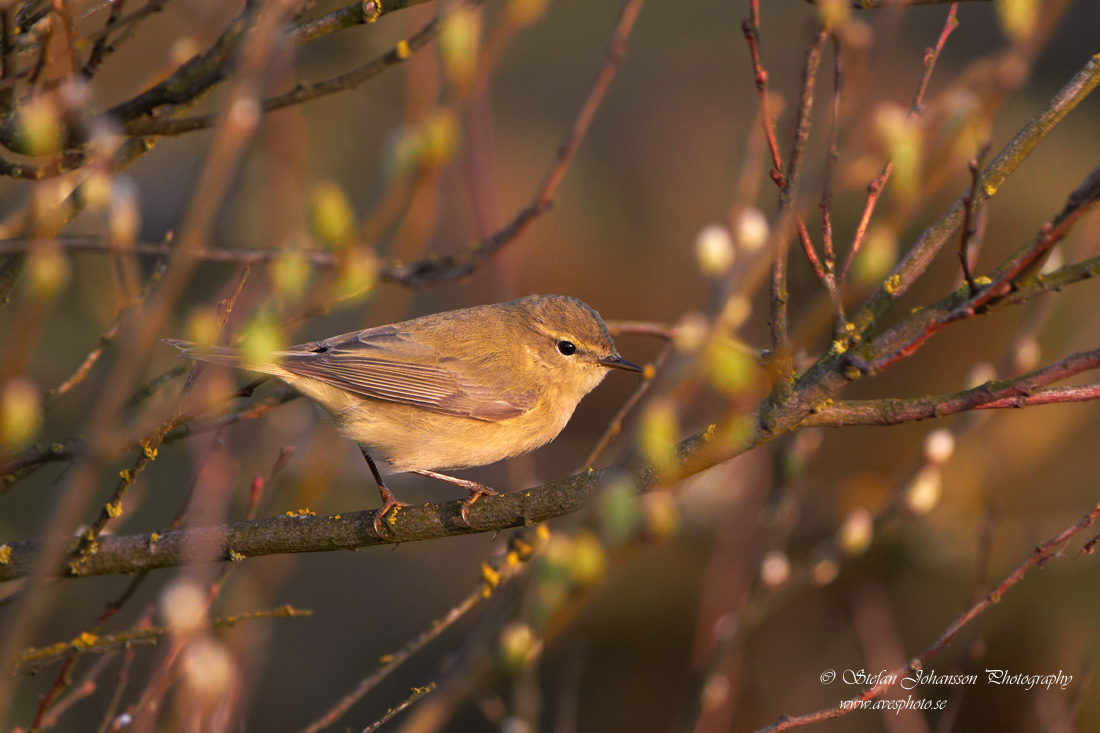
222, 355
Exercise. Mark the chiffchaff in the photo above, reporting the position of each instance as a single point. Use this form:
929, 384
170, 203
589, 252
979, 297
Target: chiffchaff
452, 390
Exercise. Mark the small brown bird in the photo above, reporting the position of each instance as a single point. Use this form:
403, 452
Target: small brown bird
452, 390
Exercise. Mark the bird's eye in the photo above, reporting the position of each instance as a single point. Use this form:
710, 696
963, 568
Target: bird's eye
567, 348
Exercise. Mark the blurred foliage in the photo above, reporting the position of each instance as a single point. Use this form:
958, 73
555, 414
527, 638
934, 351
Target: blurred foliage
715, 603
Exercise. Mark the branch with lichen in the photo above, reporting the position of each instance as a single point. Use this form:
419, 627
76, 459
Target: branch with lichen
920, 255
1018, 392
304, 531
32, 661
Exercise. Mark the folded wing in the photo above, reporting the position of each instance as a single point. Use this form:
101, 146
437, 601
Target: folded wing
385, 364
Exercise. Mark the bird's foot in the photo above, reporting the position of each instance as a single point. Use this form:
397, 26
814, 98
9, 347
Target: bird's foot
476, 492
389, 501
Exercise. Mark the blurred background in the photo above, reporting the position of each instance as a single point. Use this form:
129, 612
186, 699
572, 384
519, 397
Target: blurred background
793, 544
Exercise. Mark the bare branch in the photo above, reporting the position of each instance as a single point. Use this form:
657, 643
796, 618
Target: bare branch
1050, 549
309, 533
917, 259
874, 188
906, 338
1017, 392
402, 51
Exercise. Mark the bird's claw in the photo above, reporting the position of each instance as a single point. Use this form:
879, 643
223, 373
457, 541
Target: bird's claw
388, 503
476, 492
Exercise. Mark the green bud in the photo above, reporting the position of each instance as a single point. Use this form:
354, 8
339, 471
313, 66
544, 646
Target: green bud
1017, 17
404, 154
833, 12
556, 558
459, 43
619, 511
20, 413
518, 645
924, 491
331, 215
857, 531
439, 138
589, 560
659, 432
40, 127
903, 144
358, 274
714, 251
202, 325
123, 212
262, 339
729, 368
290, 274
48, 270
96, 190
877, 257
752, 230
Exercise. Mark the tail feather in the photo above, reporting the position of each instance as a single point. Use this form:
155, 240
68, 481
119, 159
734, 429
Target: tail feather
221, 355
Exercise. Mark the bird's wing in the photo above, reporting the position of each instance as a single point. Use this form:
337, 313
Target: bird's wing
385, 364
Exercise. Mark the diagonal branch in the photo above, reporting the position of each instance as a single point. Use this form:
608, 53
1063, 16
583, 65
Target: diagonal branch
435, 269
920, 255
907, 337
875, 187
401, 52
1041, 555
1018, 392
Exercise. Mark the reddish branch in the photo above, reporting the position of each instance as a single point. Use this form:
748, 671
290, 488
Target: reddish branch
751, 29
303, 92
1021, 265
788, 196
1018, 392
449, 267
1050, 549
969, 228
874, 188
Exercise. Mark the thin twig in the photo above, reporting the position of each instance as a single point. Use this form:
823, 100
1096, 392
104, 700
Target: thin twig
751, 28
917, 259
788, 196
436, 269
503, 570
113, 507
189, 425
105, 340
826, 205
906, 338
969, 229
417, 693
615, 427
401, 52
870, 4
99, 50
33, 660
1016, 392
875, 187
1040, 556
8, 68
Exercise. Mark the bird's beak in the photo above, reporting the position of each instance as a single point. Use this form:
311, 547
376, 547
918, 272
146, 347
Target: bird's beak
618, 362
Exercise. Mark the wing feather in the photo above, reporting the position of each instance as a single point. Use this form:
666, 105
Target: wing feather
385, 364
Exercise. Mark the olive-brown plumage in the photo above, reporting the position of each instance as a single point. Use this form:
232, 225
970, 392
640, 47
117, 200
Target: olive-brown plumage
451, 390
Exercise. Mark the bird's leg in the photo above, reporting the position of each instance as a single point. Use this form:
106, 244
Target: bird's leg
389, 501
476, 491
